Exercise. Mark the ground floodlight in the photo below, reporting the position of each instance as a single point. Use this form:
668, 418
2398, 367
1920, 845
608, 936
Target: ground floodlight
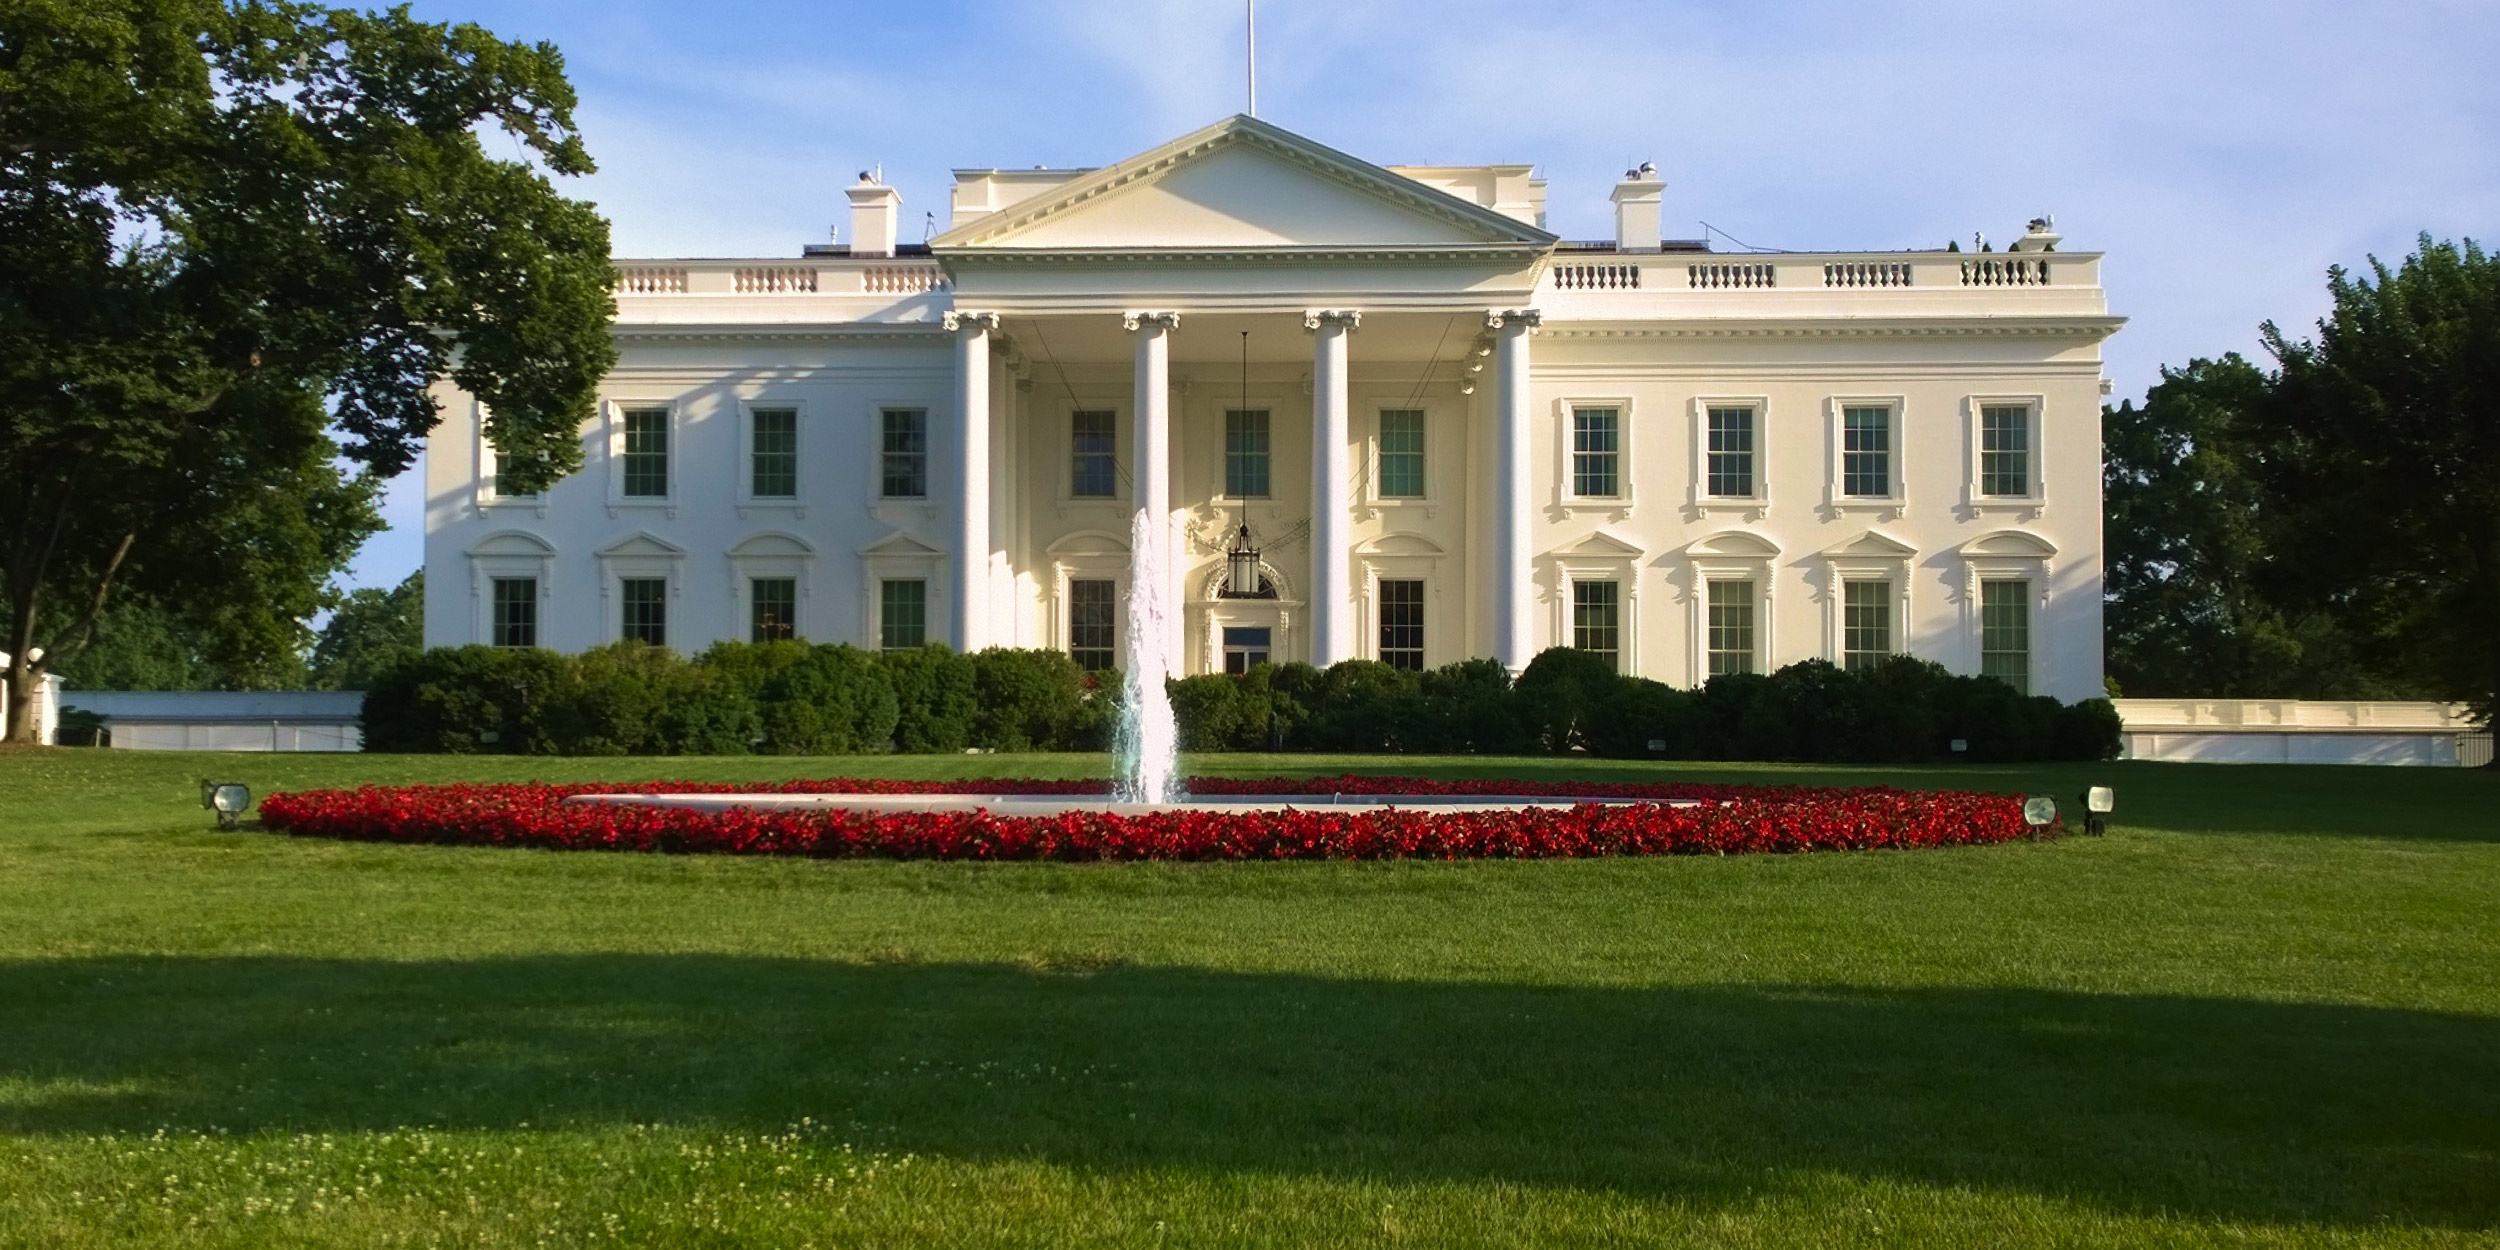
2039, 811
2098, 803
229, 799
1961, 746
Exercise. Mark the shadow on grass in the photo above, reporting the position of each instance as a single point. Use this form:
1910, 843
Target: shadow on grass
2220, 1108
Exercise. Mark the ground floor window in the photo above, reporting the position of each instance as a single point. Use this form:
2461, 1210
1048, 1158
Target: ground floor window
773, 608
2005, 632
1402, 625
902, 615
646, 609
1597, 620
1731, 627
1865, 624
516, 612
1092, 623
1245, 646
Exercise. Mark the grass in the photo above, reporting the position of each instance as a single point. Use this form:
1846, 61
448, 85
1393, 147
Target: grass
2264, 1011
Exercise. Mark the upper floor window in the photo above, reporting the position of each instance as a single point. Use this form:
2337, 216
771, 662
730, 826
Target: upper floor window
2005, 632
646, 453
1865, 624
1093, 623
1093, 455
1402, 625
773, 454
906, 454
1246, 454
1402, 453
1730, 453
2005, 450
1597, 452
1866, 451
1731, 637
516, 612
646, 610
1597, 619
773, 612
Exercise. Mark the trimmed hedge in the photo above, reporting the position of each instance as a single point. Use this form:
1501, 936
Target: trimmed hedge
793, 698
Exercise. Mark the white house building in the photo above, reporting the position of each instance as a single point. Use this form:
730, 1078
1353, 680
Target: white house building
1449, 433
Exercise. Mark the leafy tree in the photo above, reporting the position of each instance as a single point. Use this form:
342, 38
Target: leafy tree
2385, 462
141, 644
369, 632
229, 228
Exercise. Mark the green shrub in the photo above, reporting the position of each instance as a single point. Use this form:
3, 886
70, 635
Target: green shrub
611, 699
1365, 705
1208, 710
936, 699
1027, 700
464, 700
1469, 706
1637, 712
820, 700
2086, 730
1559, 693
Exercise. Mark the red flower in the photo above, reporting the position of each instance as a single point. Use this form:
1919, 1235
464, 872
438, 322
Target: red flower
1728, 820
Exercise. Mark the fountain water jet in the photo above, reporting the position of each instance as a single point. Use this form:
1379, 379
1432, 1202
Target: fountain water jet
1148, 744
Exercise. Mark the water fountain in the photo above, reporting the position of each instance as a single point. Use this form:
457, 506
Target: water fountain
1147, 748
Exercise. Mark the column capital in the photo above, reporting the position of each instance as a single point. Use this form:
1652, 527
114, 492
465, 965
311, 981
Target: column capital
1496, 318
961, 320
1314, 318
1135, 321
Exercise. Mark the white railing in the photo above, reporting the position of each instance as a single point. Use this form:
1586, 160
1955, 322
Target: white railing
651, 280
1593, 277
1867, 273
775, 280
1721, 276
2009, 271
903, 279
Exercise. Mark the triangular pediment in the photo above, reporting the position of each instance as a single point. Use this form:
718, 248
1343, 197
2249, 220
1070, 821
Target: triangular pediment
1242, 184
1598, 546
901, 546
1872, 546
642, 544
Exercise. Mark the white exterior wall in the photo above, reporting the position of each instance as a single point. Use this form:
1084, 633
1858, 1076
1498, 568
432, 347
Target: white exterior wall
840, 338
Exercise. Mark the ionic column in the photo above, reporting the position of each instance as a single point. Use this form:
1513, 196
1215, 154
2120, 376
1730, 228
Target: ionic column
972, 479
1513, 638
1332, 607
1151, 443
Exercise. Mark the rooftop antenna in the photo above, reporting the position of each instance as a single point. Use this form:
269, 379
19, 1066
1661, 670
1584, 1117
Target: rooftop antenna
1251, 9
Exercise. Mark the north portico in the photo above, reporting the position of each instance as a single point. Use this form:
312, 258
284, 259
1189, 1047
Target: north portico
1449, 433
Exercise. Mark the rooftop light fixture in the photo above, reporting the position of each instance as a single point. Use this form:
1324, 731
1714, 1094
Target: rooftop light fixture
229, 799
2098, 802
1241, 559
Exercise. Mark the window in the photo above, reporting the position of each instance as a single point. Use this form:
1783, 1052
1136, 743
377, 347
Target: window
1866, 452
773, 468
1244, 647
1596, 452
646, 609
902, 615
1402, 453
646, 453
516, 612
1245, 454
1731, 609
1865, 624
1402, 625
1730, 453
2005, 633
1092, 622
1093, 451
1596, 620
495, 463
773, 608
2005, 450
906, 451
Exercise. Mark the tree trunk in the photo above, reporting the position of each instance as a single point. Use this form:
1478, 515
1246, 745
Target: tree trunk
25, 728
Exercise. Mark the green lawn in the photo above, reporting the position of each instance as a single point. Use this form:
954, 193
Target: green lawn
2264, 1011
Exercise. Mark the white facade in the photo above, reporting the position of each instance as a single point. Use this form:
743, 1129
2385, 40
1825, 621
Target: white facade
2297, 731
1451, 397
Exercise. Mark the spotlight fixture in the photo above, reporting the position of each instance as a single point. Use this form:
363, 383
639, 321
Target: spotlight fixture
2097, 802
1466, 388
229, 799
1484, 349
2039, 811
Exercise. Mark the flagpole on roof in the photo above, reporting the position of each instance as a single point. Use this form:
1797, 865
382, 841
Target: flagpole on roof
1251, 9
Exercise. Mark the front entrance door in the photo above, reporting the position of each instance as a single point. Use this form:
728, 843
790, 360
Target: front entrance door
1245, 646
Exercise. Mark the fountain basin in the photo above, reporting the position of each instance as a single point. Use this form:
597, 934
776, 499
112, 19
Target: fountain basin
1052, 805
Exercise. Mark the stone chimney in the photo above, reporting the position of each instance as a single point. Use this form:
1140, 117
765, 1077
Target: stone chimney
2039, 236
876, 213
1637, 200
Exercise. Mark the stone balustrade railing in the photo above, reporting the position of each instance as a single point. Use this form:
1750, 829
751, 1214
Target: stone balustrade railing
1798, 271
855, 278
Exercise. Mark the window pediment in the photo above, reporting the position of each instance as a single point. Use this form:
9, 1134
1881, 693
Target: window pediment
2010, 545
512, 543
642, 545
770, 544
1734, 545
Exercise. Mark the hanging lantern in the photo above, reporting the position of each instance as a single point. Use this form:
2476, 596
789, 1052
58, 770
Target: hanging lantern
1241, 566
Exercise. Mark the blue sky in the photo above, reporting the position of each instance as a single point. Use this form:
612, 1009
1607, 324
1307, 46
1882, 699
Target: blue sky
2222, 154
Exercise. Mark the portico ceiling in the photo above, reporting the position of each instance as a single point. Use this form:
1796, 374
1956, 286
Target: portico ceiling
1275, 338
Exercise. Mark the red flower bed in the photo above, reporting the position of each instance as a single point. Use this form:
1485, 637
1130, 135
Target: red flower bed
1729, 820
